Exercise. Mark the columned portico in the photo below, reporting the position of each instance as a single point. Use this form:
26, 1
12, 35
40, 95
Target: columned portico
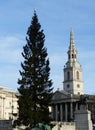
64, 111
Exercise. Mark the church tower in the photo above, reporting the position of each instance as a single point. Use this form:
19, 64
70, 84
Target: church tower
72, 70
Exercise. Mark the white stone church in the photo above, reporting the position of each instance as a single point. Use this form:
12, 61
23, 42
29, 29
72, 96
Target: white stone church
66, 105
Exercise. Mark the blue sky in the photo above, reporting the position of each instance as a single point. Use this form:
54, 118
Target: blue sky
56, 18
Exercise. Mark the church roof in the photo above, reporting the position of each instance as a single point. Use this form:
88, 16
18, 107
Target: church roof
76, 64
63, 96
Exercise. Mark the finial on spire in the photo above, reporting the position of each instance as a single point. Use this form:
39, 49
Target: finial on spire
71, 37
71, 32
71, 29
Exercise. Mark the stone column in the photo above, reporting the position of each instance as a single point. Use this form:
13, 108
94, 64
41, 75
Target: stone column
61, 112
3, 107
87, 106
71, 110
52, 112
76, 106
66, 112
56, 113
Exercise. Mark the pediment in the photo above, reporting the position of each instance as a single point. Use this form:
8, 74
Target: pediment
58, 95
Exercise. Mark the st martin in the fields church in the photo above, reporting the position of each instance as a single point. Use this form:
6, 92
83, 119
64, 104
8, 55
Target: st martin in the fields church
65, 102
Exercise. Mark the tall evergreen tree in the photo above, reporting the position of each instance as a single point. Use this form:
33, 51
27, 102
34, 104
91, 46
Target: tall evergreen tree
35, 91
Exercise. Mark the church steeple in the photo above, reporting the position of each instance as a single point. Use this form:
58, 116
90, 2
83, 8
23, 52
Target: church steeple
72, 70
72, 44
72, 52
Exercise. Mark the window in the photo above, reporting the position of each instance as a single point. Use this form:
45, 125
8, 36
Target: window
68, 75
77, 75
78, 93
72, 56
68, 86
75, 56
69, 56
78, 86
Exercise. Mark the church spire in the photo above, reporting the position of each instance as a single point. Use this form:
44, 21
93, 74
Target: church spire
72, 44
72, 52
72, 70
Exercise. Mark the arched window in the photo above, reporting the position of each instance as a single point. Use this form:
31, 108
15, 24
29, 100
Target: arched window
78, 93
72, 56
77, 75
68, 86
68, 75
78, 86
69, 56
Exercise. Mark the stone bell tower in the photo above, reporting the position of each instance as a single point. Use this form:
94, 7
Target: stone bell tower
72, 70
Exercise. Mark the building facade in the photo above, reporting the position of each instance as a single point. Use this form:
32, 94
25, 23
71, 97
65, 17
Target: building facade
8, 104
65, 102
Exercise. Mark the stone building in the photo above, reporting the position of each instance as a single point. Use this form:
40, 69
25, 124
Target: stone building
65, 102
8, 103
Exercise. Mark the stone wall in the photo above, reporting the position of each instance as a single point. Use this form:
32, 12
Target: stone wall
83, 119
64, 126
6, 125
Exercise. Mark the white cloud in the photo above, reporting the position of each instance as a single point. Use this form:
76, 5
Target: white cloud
10, 59
10, 49
57, 59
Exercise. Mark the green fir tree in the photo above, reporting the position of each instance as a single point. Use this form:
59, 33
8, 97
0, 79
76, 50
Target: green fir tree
35, 91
